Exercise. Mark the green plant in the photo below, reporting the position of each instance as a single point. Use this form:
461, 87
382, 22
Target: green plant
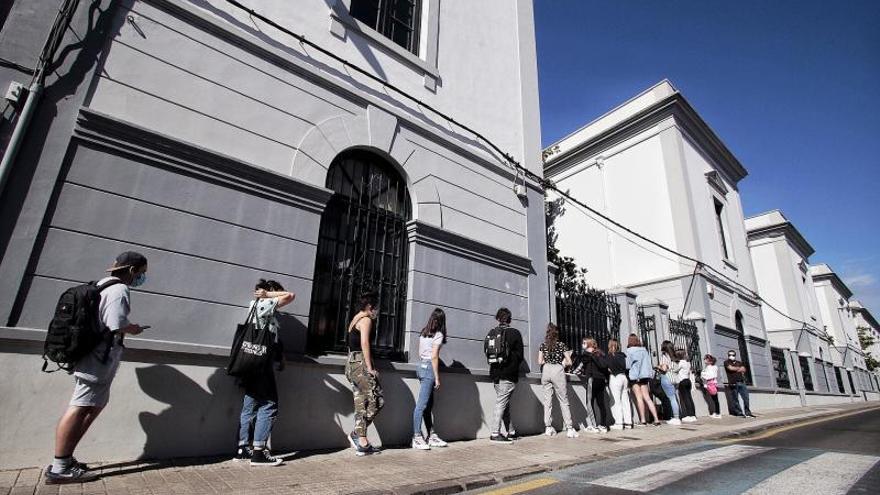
570, 278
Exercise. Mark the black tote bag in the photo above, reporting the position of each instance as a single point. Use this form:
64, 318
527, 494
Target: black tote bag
251, 348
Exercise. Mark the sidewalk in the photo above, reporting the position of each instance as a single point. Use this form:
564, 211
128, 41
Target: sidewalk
463, 465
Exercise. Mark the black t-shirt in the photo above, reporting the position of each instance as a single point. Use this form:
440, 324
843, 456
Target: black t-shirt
509, 370
734, 376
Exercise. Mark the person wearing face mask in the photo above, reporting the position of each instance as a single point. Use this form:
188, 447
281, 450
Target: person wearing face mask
94, 373
260, 405
736, 386
362, 373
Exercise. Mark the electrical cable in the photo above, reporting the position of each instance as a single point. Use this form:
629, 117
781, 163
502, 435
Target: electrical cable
13, 65
545, 183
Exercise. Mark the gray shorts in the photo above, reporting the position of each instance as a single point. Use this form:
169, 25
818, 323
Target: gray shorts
90, 394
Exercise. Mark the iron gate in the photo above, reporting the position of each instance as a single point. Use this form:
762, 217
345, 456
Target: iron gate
648, 333
684, 335
362, 246
780, 368
587, 313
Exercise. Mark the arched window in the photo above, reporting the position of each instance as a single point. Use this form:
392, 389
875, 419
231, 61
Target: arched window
362, 246
743, 347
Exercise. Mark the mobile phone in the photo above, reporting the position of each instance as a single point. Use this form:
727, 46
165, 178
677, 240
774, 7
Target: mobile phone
144, 327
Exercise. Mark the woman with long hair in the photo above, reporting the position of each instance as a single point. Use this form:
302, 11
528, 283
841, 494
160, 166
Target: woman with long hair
431, 339
621, 409
668, 377
688, 411
641, 371
554, 356
595, 373
710, 384
362, 373
260, 405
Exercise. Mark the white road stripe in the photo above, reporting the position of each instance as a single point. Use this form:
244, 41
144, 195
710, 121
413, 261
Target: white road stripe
825, 474
657, 474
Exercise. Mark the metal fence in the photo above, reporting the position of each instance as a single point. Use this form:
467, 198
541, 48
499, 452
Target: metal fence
684, 335
587, 313
780, 368
648, 333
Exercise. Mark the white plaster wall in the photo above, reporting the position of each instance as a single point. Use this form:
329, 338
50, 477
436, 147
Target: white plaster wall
631, 188
768, 271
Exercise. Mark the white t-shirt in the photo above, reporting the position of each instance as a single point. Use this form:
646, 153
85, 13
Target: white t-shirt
710, 372
265, 315
113, 311
684, 370
427, 344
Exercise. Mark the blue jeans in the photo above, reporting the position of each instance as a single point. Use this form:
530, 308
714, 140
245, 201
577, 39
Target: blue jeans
738, 389
425, 404
265, 410
669, 390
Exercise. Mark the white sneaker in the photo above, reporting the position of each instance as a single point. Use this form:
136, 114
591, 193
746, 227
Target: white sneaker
716, 416
689, 419
549, 431
592, 429
616, 427
571, 433
419, 443
674, 421
435, 441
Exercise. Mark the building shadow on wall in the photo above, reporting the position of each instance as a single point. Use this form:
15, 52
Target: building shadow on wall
458, 413
196, 421
578, 409
319, 404
394, 423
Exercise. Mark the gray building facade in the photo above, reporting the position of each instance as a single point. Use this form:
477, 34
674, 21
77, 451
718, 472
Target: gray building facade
226, 150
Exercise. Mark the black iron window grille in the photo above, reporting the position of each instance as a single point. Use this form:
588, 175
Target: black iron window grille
684, 335
820, 368
397, 20
648, 333
805, 369
780, 368
743, 347
587, 313
839, 379
362, 246
852, 386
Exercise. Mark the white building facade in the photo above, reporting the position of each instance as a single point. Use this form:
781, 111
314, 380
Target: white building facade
803, 352
839, 317
656, 167
866, 322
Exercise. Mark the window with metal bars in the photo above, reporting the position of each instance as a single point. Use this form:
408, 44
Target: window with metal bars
780, 368
805, 370
397, 20
648, 331
362, 246
839, 379
684, 335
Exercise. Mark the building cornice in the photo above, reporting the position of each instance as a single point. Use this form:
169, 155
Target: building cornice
165, 151
675, 106
785, 229
437, 238
835, 281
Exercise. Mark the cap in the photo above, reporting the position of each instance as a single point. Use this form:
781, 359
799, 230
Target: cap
127, 259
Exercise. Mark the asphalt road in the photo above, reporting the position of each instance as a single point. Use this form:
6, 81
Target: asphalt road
834, 456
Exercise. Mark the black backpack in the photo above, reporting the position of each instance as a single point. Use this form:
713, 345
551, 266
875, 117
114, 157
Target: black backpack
76, 329
496, 347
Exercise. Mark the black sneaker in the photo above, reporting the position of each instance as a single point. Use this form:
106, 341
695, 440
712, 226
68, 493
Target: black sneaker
512, 435
499, 438
73, 474
750, 415
81, 465
262, 457
244, 453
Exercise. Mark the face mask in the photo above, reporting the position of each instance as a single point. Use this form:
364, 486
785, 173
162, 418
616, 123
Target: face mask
584, 347
139, 279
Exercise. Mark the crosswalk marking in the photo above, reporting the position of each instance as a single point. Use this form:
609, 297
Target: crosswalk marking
828, 474
657, 474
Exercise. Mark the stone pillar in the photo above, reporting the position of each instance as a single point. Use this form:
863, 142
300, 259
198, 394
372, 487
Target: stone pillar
629, 317
552, 270
796, 376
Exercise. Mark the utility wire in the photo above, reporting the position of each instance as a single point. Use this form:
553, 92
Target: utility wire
545, 183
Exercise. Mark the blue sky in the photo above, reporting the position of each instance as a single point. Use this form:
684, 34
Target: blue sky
792, 87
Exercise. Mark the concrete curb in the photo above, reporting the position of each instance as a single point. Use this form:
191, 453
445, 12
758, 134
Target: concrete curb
472, 482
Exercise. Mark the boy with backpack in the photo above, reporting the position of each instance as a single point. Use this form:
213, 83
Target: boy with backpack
504, 350
96, 314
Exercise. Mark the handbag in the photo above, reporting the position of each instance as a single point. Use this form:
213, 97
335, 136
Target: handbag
712, 386
251, 349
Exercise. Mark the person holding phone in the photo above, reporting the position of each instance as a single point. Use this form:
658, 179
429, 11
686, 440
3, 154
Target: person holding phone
94, 373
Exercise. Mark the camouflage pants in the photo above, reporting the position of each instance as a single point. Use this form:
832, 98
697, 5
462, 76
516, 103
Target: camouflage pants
368, 398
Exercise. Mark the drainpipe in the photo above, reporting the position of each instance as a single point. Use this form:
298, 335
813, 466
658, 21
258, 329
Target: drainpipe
30, 105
